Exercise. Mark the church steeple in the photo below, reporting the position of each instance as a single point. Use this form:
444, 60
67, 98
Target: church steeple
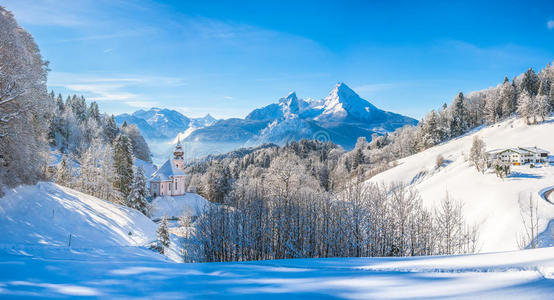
178, 153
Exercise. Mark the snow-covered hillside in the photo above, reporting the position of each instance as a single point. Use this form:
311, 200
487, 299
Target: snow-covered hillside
43, 217
48, 213
487, 199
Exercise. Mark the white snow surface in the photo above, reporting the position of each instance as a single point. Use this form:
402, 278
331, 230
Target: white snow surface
190, 204
488, 200
42, 217
47, 214
526, 274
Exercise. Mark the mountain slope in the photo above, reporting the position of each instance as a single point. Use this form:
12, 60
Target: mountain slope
341, 117
487, 199
157, 123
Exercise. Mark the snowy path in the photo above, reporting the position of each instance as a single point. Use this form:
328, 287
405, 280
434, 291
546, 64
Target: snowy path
61, 272
546, 193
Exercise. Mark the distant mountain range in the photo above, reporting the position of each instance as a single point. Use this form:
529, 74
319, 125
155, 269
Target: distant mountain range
158, 123
341, 117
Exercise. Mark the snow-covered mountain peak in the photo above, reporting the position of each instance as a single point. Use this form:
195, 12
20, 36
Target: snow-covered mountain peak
342, 102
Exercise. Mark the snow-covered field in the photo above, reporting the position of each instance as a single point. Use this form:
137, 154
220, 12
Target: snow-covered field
190, 204
488, 200
65, 272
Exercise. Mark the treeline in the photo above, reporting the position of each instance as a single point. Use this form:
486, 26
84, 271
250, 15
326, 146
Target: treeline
288, 220
97, 156
75, 126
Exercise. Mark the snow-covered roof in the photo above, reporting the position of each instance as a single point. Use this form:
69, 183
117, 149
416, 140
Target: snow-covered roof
534, 149
166, 171
519, 150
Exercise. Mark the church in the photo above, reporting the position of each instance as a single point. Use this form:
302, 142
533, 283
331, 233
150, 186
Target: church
169, 180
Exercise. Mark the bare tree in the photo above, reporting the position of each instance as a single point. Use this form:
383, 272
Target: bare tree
529, 215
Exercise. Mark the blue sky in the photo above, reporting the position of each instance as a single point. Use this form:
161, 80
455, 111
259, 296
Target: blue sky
229, 57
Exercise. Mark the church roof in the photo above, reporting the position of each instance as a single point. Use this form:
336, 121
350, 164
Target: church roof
166, 171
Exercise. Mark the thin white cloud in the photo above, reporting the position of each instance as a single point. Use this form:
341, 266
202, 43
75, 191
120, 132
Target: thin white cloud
228, 97
117, 88
550, 24
49, 12
143, 104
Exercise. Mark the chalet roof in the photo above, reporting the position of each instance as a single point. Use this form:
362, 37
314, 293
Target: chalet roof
166, 172
534, 149
519, 150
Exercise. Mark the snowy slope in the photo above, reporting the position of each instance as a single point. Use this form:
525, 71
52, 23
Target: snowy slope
47, 214
39, 219
190, 204
524, 274
487, 199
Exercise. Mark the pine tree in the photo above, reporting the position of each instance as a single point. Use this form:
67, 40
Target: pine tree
529, 82
459, 122
59, 103
526, 107
93, 111
551, 97
138, 195
110, 128
123, 164
358, 158
543, 108
163, 235
64, 172
508, 97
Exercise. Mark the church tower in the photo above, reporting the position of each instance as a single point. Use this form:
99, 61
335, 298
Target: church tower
178, 154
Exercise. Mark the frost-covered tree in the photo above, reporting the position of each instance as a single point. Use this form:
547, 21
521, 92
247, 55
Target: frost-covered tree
163, 235
449, 221
459, 116
551, 96
137, 198
507, 94
123, 164
529, 82
543, 108
64, 172
24, 105
527, 107
478, 155
98, 173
